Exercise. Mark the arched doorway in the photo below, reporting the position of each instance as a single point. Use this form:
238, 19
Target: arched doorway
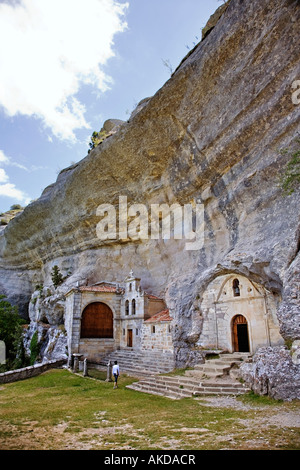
240, 334
97, 321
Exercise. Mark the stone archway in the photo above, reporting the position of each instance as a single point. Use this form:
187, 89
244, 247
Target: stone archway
240, 334
97, 321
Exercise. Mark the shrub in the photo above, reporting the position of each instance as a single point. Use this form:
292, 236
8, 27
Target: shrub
97, 138
16, 207
57, 277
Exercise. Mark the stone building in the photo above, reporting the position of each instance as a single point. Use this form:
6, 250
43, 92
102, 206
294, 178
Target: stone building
106, 317
238, 315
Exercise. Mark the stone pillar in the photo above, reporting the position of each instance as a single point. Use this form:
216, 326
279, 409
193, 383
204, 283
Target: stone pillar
76, 318
70, 361
109, 372
85, 368
76, 362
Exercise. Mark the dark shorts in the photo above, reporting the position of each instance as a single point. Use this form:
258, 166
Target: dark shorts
116, 377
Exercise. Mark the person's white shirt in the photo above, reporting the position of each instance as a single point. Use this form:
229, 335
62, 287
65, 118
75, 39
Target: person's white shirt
116, 369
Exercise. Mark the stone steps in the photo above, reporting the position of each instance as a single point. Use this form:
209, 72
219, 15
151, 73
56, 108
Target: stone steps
179, 387
141, 363
214, 368
210, 378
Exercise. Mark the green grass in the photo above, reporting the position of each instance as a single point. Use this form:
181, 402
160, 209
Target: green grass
59, 410
253, 399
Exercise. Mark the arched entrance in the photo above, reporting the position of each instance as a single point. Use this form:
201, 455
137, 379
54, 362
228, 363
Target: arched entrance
240, 334
97, 321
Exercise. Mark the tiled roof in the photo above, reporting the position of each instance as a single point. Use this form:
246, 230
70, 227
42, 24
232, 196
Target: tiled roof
150, 296
164, 315
103, 288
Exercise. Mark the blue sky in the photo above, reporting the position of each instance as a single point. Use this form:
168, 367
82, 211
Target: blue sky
68, 65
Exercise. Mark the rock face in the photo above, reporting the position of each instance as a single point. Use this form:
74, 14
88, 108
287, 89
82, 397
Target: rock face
212, 135
273, 373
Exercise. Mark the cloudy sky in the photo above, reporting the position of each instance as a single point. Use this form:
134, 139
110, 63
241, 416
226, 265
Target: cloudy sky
68, 65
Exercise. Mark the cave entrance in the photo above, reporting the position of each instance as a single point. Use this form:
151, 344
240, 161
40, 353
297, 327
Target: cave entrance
240, 334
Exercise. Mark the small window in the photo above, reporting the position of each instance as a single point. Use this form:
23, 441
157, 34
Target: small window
136, 332
153, 329
130, 287
236, 288
133, 307
127, 307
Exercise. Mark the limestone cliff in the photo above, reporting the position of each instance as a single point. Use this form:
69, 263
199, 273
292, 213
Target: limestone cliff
212, 134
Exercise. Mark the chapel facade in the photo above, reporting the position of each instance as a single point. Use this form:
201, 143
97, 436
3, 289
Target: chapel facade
106, 317
239, 315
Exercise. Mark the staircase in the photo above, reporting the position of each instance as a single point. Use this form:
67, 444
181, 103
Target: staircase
142, 363
214, 368
214, 377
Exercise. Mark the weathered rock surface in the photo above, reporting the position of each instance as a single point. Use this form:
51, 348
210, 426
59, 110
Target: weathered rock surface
52, 341
273, 373
212, 134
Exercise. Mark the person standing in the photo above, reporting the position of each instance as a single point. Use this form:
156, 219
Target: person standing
116, 373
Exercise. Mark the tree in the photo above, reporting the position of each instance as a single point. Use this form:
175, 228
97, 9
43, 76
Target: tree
11, 333
97, 138
57, 277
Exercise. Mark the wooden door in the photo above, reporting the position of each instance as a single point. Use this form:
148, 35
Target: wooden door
129, 338
97, 321
240, 337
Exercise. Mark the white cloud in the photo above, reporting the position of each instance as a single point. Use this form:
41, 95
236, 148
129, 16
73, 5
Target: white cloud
48, 50
9, 189
5, 160
3, 176
3, 157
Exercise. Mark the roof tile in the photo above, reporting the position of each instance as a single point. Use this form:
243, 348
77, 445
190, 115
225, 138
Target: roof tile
162, 316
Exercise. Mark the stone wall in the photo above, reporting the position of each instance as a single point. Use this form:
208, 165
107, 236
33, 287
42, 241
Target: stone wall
95, 348
157, 336
30, 371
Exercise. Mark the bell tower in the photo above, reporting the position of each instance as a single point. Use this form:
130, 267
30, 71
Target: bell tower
132, 285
